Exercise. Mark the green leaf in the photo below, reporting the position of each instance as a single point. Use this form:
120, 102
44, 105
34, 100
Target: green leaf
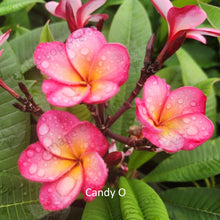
25, 45
183, 166
19, 198
138, 158
46, 35
192, 203
103, 208
81, 112
130, 27
113, 2
206, 85
9, 6
141, 201
192, 74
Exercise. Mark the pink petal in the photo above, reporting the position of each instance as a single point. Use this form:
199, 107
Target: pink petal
184, 18
155, 93
196, 36
195, 128
183, 101
144, 118
169, 139
101, 91
82, 45
37, 164
61, 9
75, 5
51, 7
64, 95
86, 9
52, 60
97, 17
84, 138
52, 127
61, 193
4, 37
162, 6
111, 63
95, 175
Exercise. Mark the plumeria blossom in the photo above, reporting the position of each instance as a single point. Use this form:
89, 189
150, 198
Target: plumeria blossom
184, 19
76, 14
67, 159
85, 69
173, 120
3, 38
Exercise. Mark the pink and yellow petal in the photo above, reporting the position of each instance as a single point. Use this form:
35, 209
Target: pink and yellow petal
52, 60
95, 174
195, 128
155, 94
182, 101
111, 64
64, 95
52, 127
37, 164
81, 46
84, 138
101, 91
61, 193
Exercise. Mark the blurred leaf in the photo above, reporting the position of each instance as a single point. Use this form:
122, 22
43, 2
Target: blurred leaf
25, 45
180, 3
81, 112
192, 203
9, 6
19, 198
138, 158
192, 74
46, 35
130, 27
184, 166
140, 201
113, 2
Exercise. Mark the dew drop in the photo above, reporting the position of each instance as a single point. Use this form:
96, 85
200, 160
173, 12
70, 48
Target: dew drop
65, 186
186, 120
68, 92
144, 111
84, 51
44, 129
152, 108
100, 63
38, 149
180, 101
47, 141
192, 130
103, 58
203, 128
149, 99
25, 164
50, 190
168, 106
193, 104
33, 168
47, 155
30, 153
154, 82
41, 173
45, 64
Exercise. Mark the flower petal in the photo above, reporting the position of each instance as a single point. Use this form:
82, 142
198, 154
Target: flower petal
51, 7
82, 45
101, 91
195, 128
182, 101
52, 127
86, 9
61, 193
97, 17
64, 95
52, 60
111, 63
37, 164
184, 18
84, 138
196, 36
4, 37
75, 5
162, 6
95, 174
144, 118
155, 93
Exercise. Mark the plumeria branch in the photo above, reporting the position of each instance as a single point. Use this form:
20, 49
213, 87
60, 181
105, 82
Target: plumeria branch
28, 103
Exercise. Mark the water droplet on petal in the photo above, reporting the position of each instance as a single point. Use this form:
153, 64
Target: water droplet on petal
84, 51
41, 173
152, 108
203, 128
38, 149
45, 64
47, 155
56, 151
168, 106
149, 99
25, 164
33, 168
50, 190
65, 186
193, 104
180, 101
192, 130
47, 141
30, 153
100, 63
154, 82
103, 58
43, 129
186, 120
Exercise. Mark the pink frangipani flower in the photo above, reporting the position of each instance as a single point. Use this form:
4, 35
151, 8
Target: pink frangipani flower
184, 19
85, 69
174, 120
3, 38
67, 159
76, 14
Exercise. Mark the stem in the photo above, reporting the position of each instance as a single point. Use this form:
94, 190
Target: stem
95, 114
196, 184
208, 185
101, 109
8, 89
213, 181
